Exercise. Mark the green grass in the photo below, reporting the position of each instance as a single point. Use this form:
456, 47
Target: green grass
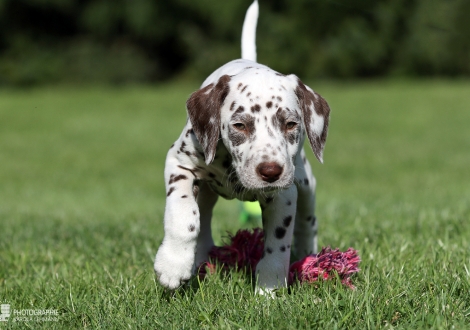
82, 199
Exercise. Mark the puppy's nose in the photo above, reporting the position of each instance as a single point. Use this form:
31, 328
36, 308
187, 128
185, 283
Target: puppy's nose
269, 172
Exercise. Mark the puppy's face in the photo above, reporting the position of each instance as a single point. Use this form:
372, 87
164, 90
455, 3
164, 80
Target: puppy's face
261, 126
262, 117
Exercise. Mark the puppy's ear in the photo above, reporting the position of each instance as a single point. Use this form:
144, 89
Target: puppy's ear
204, 113
316, 116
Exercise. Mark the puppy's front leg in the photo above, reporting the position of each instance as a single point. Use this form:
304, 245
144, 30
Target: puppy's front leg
175, 257
305, 232
206, 200
278, 224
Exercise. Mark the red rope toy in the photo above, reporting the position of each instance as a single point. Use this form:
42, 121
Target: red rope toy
246, 249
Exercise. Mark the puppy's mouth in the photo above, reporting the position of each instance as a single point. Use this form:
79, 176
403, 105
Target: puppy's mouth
278, 185
274, 188
267, 187
265, 177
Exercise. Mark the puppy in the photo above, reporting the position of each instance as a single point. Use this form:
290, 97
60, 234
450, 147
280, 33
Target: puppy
243, 139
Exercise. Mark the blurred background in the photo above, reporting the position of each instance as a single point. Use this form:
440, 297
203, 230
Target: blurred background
128, 41
92, 95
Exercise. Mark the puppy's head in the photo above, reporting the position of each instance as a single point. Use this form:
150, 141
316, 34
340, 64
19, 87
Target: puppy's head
262, 117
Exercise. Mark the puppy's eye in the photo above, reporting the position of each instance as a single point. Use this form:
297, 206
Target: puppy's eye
291, 125
239, 126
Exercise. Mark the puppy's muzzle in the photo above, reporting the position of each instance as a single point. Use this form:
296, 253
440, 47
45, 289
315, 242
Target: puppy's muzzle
269, 172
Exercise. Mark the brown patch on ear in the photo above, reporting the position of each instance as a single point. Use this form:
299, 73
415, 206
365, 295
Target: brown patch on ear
204, 113
306, 98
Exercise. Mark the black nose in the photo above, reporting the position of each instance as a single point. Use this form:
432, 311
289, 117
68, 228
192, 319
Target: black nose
269, 172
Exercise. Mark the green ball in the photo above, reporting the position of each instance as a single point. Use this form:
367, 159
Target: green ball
252, 208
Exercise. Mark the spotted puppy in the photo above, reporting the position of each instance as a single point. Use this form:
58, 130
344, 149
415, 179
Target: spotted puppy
243, 140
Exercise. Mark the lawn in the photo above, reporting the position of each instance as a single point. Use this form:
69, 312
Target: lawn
82, 199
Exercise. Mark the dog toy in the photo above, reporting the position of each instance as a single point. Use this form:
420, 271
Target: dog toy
245, 250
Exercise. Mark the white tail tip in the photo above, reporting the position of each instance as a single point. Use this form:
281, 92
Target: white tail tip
249, 32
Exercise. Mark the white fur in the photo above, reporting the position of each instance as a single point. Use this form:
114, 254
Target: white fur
249, 32
265, 101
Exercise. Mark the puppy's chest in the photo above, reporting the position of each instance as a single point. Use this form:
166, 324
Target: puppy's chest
222, 178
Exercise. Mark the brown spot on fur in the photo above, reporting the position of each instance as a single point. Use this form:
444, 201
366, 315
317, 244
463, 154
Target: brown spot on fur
279, 232
255, 108
239, 137
174, 178
240, 109
278, 119
170, 191
270, 132
287, 220
204, 113
193, 172
269, 104
306, 98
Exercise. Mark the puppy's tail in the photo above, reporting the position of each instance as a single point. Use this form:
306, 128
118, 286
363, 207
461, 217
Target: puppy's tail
249, 32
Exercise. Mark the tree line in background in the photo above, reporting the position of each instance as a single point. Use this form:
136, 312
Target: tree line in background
119, 41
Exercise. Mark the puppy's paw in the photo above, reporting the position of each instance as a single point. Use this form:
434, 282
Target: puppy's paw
173, 269
270, 293
271, 276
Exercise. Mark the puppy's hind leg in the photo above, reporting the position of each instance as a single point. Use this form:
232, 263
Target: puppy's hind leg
206, 200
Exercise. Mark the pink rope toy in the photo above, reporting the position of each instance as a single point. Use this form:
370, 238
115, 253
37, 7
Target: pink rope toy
246, 249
